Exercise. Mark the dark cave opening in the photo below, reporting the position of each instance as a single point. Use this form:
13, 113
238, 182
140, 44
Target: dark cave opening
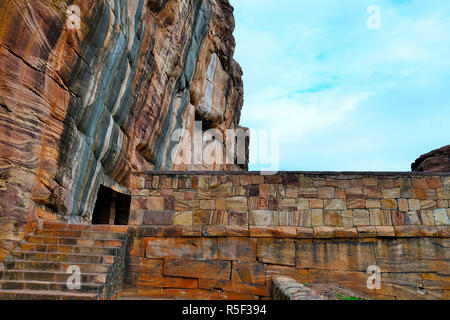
111, 207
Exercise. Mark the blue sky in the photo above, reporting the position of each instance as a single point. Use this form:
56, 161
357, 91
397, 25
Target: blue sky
345, 97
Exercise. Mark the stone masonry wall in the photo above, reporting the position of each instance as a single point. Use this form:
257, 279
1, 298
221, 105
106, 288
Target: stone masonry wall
225, 235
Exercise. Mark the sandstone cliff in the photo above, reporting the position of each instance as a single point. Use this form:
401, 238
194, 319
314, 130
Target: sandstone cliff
434, 161
84, 107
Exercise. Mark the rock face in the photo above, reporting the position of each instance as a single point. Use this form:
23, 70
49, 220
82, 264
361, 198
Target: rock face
434, 161
84, 107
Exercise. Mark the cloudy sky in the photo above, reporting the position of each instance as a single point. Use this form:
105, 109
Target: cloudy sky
342, 96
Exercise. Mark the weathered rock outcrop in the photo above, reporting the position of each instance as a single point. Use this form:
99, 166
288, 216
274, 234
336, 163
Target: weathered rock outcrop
434, 161
84, 107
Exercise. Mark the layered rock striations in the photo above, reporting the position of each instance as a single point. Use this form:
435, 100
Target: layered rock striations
435, 161
84, 107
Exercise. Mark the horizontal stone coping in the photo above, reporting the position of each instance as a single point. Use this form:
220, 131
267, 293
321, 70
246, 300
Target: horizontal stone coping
67, 226
309, 173
291, 232
286, 288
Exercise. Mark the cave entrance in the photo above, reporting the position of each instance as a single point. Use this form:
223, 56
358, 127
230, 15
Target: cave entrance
111, 207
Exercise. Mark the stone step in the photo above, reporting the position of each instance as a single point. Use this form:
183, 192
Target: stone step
45, 295
72, 258
54, 266
52, 225
37, 268
49, 286
51, 276
96, 235
52, 248
74, 241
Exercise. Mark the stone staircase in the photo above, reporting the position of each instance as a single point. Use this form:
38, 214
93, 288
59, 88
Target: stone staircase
40, 267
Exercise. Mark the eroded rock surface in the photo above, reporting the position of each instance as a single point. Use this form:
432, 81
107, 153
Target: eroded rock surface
84, 107
434, 161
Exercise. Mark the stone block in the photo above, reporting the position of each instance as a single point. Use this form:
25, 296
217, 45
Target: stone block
157, 217
262, 232
234, 287
326, 193
419, 194
207, 204
264, 190
236, 204
181, 205
427, 217
317, 217
219, 218
330, 255
347, 218
181, 248
286, 232
152, 281
213, 231
335, 204
260, 218
435, 281
262, 203
391, 193
403, 205
444, 232
385, 231
414, 204
361, 217
203, 269
305, 233
291, 192
220, 204
245, 180
301, 218
354, 193
289, 204
356, 204
367, 232
237, 249
420, 183
389, 204
276, 251
412, 218
307, 192
302, 204
192, 294
343, 232
238, 219
370, 181
147, 203
237, 231
202, 194
249, 272
324, 232
428, 204
441, 217
434, 182
371, 192
332, 218
316, 203
201, 217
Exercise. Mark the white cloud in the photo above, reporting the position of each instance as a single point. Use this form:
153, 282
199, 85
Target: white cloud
349, 71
